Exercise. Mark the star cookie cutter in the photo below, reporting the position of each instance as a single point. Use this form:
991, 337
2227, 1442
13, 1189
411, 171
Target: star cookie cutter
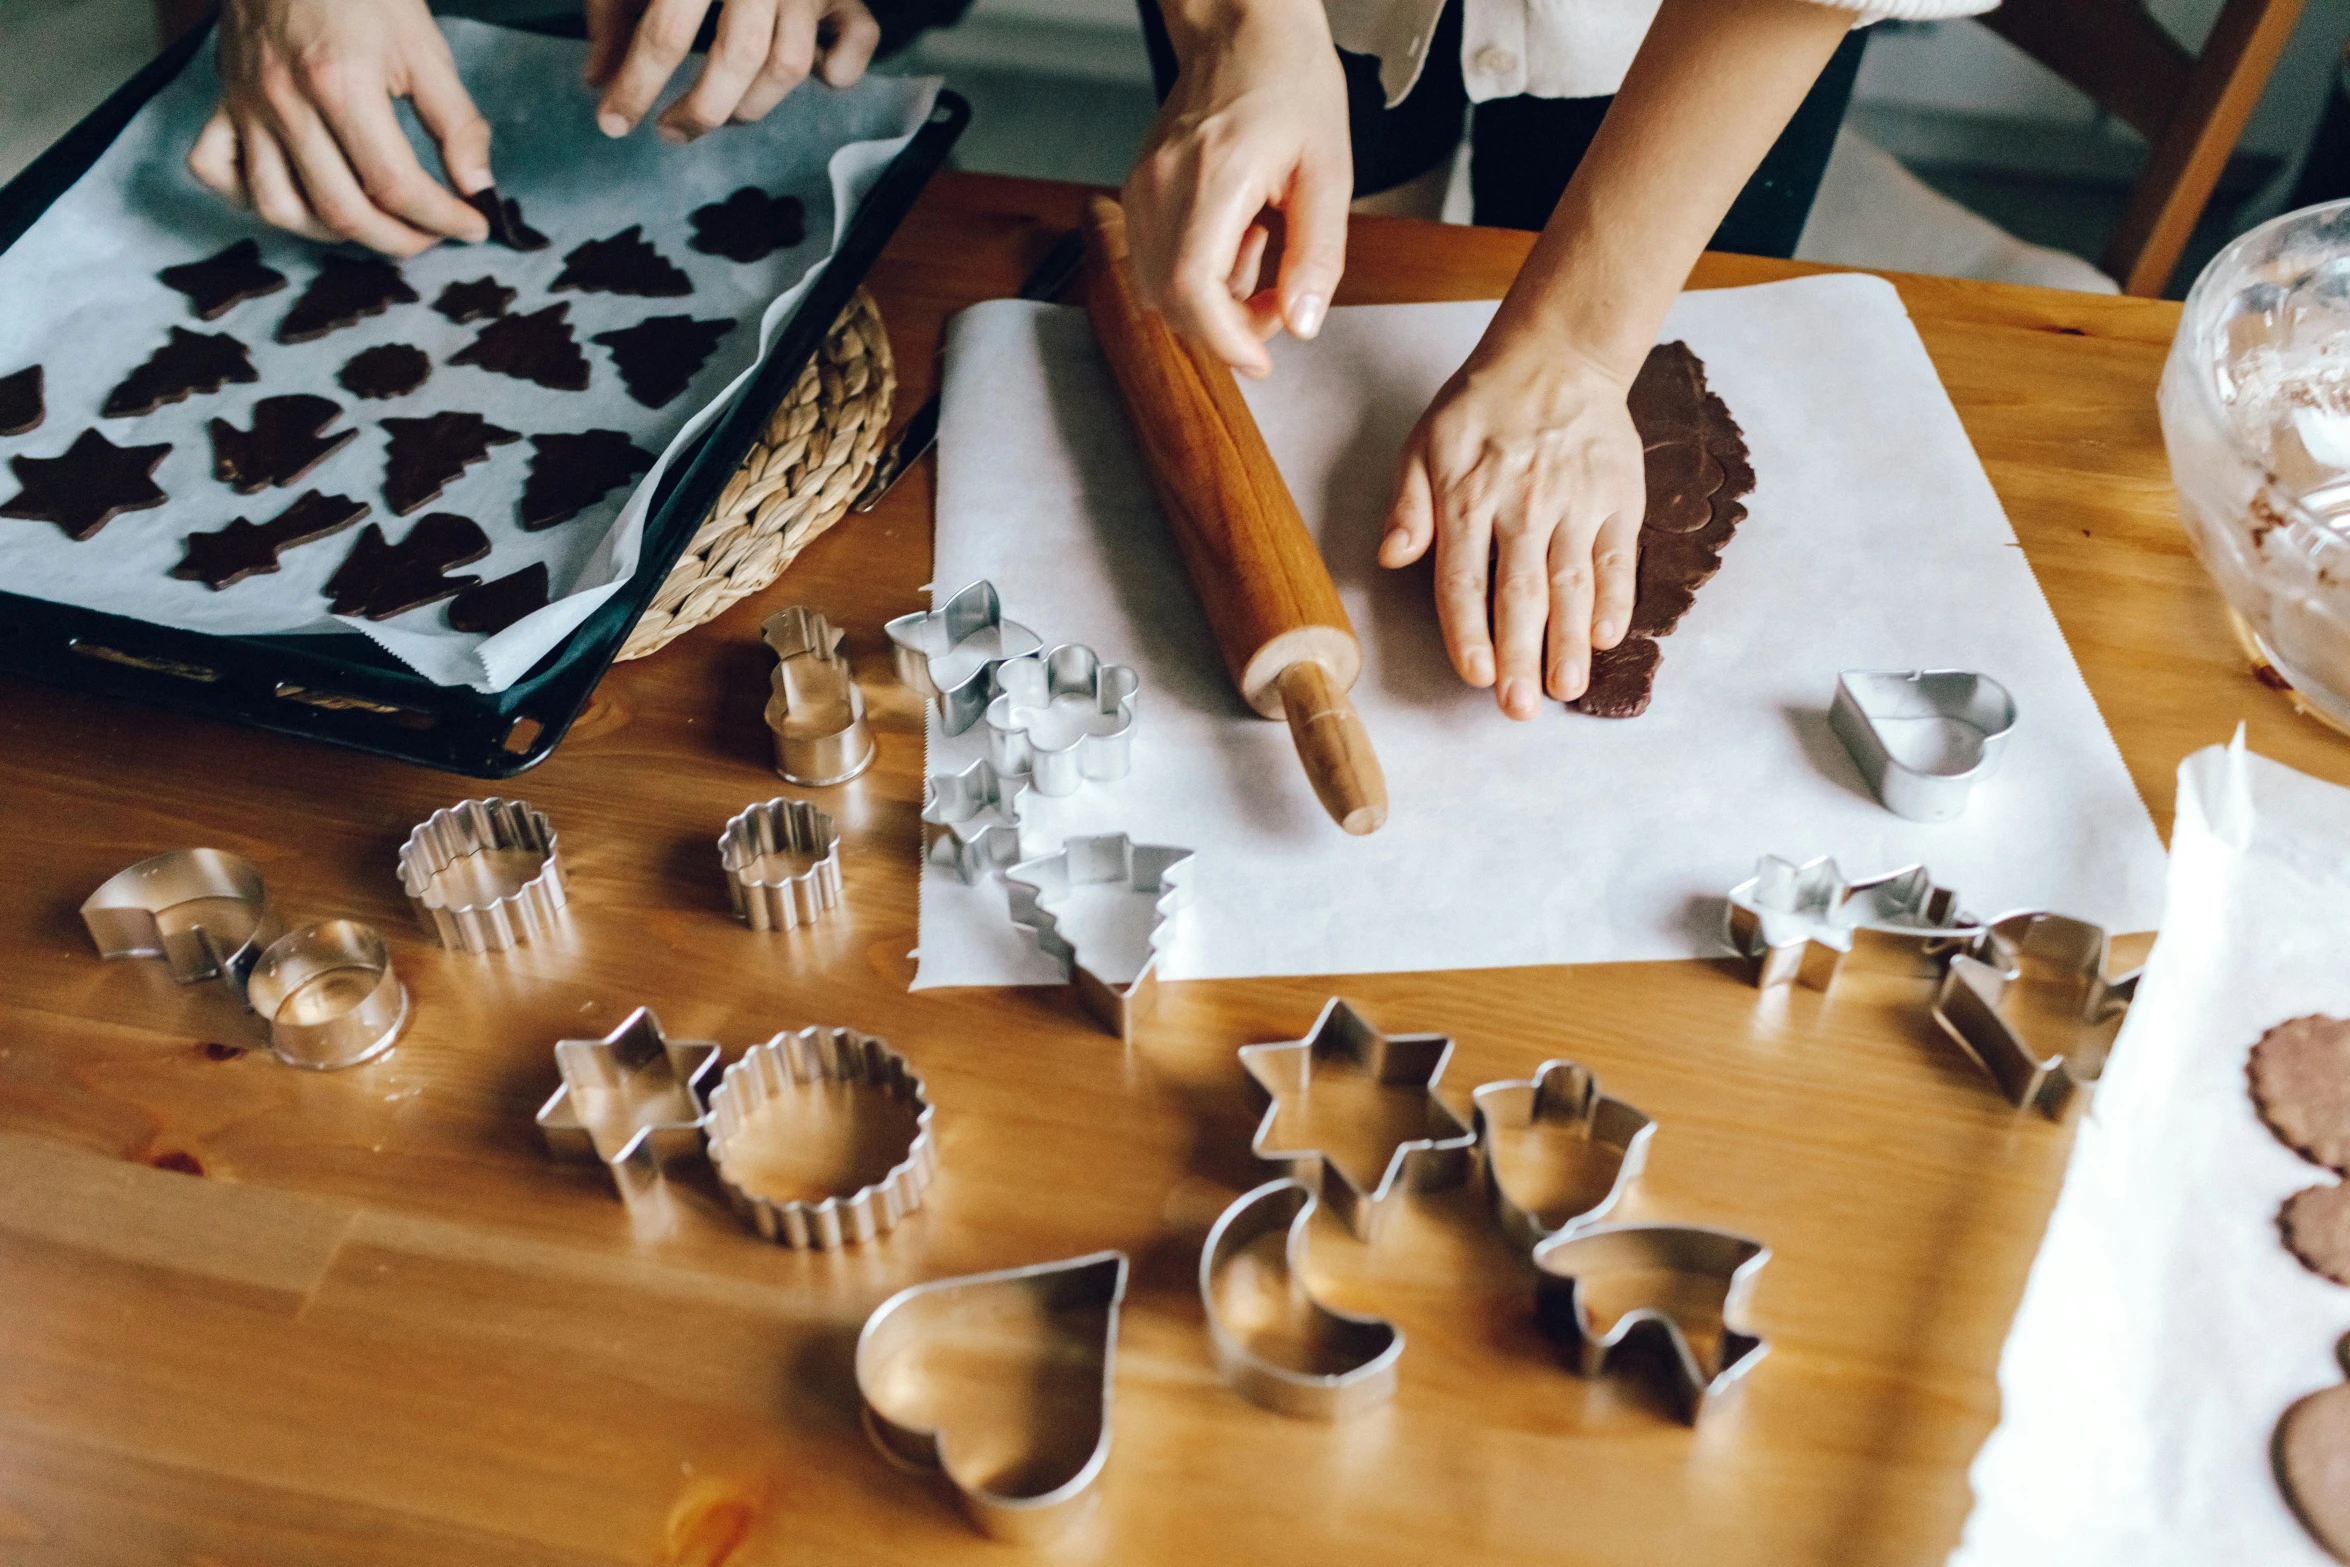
789, 1067
329, 996
815, 713
205, 912
450, 869
631, 1101
763, 899
1654, 1332
971, 821
2037, 1008
950, 654
1311, 1361
1923, 738
1147, 868
1041, 690
1802, 924
1561, 1096
1426, 1163
1039, 1496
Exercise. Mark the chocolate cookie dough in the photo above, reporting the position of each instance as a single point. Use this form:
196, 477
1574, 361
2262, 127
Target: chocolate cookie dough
378, 580
623, 264
284, 443
347, 289
497, 604
749, 225
536, 347
2315, 1223
388, 370
659, 358
218, 284
506, 225
22, 407
92, 484
246, 549
2313, 1463
188, 362
425, 454
570, 473
480, 300
1621, 679
2300, 1076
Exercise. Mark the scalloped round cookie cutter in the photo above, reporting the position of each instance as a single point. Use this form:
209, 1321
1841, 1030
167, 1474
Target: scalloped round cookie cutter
763, 900
449, 869
205, 912
329, 995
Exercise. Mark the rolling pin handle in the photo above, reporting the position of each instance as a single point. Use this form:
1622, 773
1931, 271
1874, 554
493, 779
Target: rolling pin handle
1334, 747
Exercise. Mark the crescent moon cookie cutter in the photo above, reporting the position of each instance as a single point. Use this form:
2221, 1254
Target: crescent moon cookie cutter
1561, 1097
485, 875
329, 996
205, 912
1654, 1332
759, 852
1062, 718
971, 821
1107, 859
631, 1101
815, 713
794, 1065
1311, 1361
2037, 1007
1923, 738
950, 654
1802, 924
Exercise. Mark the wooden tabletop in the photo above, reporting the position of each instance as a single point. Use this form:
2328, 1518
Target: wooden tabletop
259, 1315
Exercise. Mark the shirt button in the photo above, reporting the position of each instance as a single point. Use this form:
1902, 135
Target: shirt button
1495, 61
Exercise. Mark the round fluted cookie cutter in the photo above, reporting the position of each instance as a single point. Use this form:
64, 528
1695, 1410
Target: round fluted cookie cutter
329, 995
461, 909
792, 1064
765, 901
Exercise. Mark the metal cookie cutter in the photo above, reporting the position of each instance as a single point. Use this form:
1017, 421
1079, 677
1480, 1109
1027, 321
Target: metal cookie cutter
1803, 923
1039, 693
1923, 738
631, 1100
1561, 1095
1147, 868
815, 712
329, 995
1310, 1360
1656, 1331
484, 875
2037, 1008
204, 912
950, 653
791, 1066
971, 820
771, 897
1029, 1496
1285, 1070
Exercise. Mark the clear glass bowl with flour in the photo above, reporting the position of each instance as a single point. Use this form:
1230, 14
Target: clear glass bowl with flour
2255, 407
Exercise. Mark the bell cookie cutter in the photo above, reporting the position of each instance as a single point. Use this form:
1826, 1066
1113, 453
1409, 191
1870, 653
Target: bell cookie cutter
449, 870
1337, 1365
329, 996
971, 821
1561, 1097
1285, 1070
1050, 1496
1109, 858
1802, 924
1654, 1332
2047, 1051
949, 654
763, 899
1041, 692
1923, 738
205, 912
631, 1101
815, 713
786, 1068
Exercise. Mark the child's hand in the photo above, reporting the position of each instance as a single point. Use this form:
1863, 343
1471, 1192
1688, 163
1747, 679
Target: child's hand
764, 48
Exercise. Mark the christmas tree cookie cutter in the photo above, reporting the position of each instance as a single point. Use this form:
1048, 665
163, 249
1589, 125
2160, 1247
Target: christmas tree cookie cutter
456, 870
1150, 869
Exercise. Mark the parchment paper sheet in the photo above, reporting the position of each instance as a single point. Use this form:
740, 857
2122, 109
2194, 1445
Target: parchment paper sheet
1874, 541
79, 295
2165, 1327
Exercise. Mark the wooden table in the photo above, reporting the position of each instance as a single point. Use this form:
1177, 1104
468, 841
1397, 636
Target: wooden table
260, 1315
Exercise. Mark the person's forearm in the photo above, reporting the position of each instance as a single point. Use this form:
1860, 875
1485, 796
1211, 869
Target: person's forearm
1191, 23
1710, 90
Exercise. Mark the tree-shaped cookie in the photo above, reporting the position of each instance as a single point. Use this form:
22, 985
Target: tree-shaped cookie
346, 290
570, 473
749, 225
425, 454
659, 358
535, 347
188, 362
378, 580
623, 264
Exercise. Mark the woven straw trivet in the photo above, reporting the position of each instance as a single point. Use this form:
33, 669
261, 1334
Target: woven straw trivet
819, 449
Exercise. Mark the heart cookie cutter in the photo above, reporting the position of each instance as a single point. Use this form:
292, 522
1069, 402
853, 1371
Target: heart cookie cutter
1923, 738
971, 821
1070, 677
1338, 1365
630, 1101
451, 869
1561, 1096
950, 654
1802, 924
329, 996
764, 899
815, 713
2036, 1007
205, 912
1653, 1332
1107, 859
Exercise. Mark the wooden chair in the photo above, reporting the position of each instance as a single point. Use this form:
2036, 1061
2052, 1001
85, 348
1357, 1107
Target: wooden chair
2191, 107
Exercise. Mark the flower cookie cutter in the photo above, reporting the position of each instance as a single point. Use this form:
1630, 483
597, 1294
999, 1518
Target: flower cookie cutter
949, 654
766, 898
329, 995
1923, 738
1107, 859
815, 713
1316, 1363
484, 875
631, 1101
1802, 923
205, 912
1045, 693
1561, 1096
1654, 1330
2037, 1008
971, 821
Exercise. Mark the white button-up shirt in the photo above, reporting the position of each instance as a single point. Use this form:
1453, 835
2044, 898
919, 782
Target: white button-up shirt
1545, 48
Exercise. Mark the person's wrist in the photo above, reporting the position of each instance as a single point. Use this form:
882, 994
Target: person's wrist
1196, 25
1538, 368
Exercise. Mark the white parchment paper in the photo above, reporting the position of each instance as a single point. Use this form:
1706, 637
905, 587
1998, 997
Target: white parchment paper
2165, 1327
1874, 541
79, 295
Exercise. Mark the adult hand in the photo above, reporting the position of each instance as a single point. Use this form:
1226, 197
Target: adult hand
1525, 472
763, 49
305, 134
1257, 119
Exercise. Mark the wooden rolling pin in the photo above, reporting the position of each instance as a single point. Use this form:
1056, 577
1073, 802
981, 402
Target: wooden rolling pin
1268, 596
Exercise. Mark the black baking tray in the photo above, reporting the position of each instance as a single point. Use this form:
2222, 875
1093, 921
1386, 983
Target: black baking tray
341, 687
